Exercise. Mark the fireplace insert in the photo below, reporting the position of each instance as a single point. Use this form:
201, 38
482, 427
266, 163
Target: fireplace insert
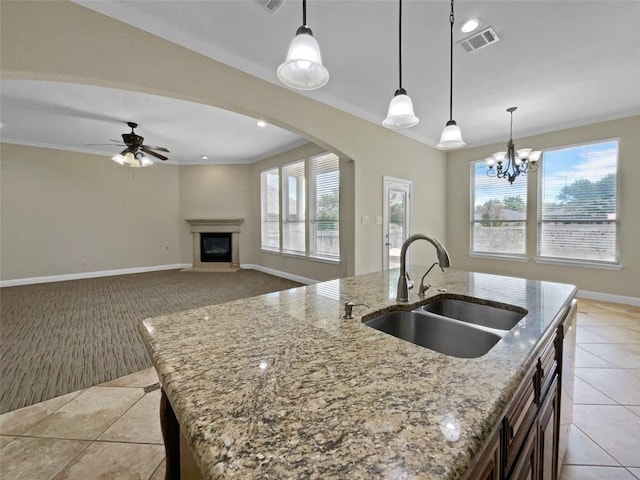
215, 247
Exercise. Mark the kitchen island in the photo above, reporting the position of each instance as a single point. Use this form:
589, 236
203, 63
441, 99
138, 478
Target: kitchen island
281, 386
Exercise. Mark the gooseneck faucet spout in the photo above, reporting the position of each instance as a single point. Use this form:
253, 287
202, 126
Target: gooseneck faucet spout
402, 294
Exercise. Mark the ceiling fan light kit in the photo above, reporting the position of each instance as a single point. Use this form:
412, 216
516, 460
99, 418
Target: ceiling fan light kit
400, 113
135, 155
303, 69
451, 137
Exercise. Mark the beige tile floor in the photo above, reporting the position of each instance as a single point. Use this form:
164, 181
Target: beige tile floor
112, 431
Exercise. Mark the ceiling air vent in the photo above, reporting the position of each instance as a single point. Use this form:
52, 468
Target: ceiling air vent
480, 40
270, 5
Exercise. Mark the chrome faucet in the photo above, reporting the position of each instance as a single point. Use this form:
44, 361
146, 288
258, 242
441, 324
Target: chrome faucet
404, 282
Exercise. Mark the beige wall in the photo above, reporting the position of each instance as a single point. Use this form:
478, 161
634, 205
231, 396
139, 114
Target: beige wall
216, 191
65, 212
65, 42
623, 282
305, 267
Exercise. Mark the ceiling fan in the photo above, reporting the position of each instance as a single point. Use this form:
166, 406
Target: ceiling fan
135, 153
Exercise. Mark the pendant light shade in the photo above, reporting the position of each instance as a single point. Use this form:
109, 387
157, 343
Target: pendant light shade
451, 137
400, 113
303, 69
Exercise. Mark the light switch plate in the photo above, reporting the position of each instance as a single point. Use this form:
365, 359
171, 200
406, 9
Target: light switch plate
365, 220
378, 220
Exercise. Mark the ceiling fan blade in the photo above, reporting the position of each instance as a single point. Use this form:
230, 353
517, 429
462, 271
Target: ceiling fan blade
162, 149
104, 145
154, 154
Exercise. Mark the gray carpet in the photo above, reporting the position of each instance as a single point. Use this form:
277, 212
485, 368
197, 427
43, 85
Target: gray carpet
60, 337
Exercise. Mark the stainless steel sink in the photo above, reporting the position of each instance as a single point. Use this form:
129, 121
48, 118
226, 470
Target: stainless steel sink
436, 333
476, 313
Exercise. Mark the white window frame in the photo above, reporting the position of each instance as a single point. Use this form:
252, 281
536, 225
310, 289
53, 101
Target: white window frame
589, 263
309, 182
472, 221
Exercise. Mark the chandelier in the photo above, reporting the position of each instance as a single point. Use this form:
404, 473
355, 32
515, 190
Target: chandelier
513, 163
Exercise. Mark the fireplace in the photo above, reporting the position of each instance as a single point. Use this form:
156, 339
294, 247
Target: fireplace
215, 247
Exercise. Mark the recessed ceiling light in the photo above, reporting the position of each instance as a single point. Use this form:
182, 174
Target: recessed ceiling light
204, 157
261, 123
470, 25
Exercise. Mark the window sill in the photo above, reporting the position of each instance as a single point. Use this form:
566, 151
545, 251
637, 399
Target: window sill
332, 261
302, 256
493, 256
578, 263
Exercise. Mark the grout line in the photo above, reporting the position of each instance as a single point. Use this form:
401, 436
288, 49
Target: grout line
603, 449
632, 474
157, 468
123, 413
72, 460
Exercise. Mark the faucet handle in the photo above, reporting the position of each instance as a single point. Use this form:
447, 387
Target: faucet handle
410, 283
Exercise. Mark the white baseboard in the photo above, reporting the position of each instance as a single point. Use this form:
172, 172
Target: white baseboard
278, 273
609, 297
79, 276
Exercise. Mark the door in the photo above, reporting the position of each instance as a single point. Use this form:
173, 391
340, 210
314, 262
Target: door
396, 219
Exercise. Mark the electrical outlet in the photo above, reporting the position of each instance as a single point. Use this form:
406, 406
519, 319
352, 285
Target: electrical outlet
378, 220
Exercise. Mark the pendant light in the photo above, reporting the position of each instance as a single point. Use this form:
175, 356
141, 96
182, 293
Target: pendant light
303, 69
451, 137
400, 114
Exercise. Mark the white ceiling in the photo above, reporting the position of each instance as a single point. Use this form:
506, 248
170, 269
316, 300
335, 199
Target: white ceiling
563, 63
72, 117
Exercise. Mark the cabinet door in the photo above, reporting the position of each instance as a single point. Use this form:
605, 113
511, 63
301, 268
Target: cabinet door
548, 425
488, 467
526, 466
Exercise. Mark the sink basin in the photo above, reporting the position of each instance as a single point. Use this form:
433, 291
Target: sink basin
436, 333
477, 313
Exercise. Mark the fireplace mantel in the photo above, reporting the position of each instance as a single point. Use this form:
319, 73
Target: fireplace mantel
216, 225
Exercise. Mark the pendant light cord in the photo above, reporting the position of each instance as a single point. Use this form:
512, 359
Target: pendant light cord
451, 20
400, 45
304, 12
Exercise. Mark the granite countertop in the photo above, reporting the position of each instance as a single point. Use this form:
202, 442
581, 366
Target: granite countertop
280, 386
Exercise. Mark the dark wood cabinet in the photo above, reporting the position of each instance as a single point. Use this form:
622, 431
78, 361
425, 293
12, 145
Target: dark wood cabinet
526, 445
547, 435
488, 466
527, 465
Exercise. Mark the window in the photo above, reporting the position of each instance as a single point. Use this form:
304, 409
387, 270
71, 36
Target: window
270, 203
293, 208
311, 212
499, 214
324, 206
578, 205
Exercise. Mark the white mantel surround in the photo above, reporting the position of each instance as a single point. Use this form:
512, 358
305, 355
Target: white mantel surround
216, 225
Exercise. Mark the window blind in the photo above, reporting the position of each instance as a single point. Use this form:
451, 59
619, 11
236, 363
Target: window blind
270, 214
293, 207
324, 206
499, 213
578, 205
